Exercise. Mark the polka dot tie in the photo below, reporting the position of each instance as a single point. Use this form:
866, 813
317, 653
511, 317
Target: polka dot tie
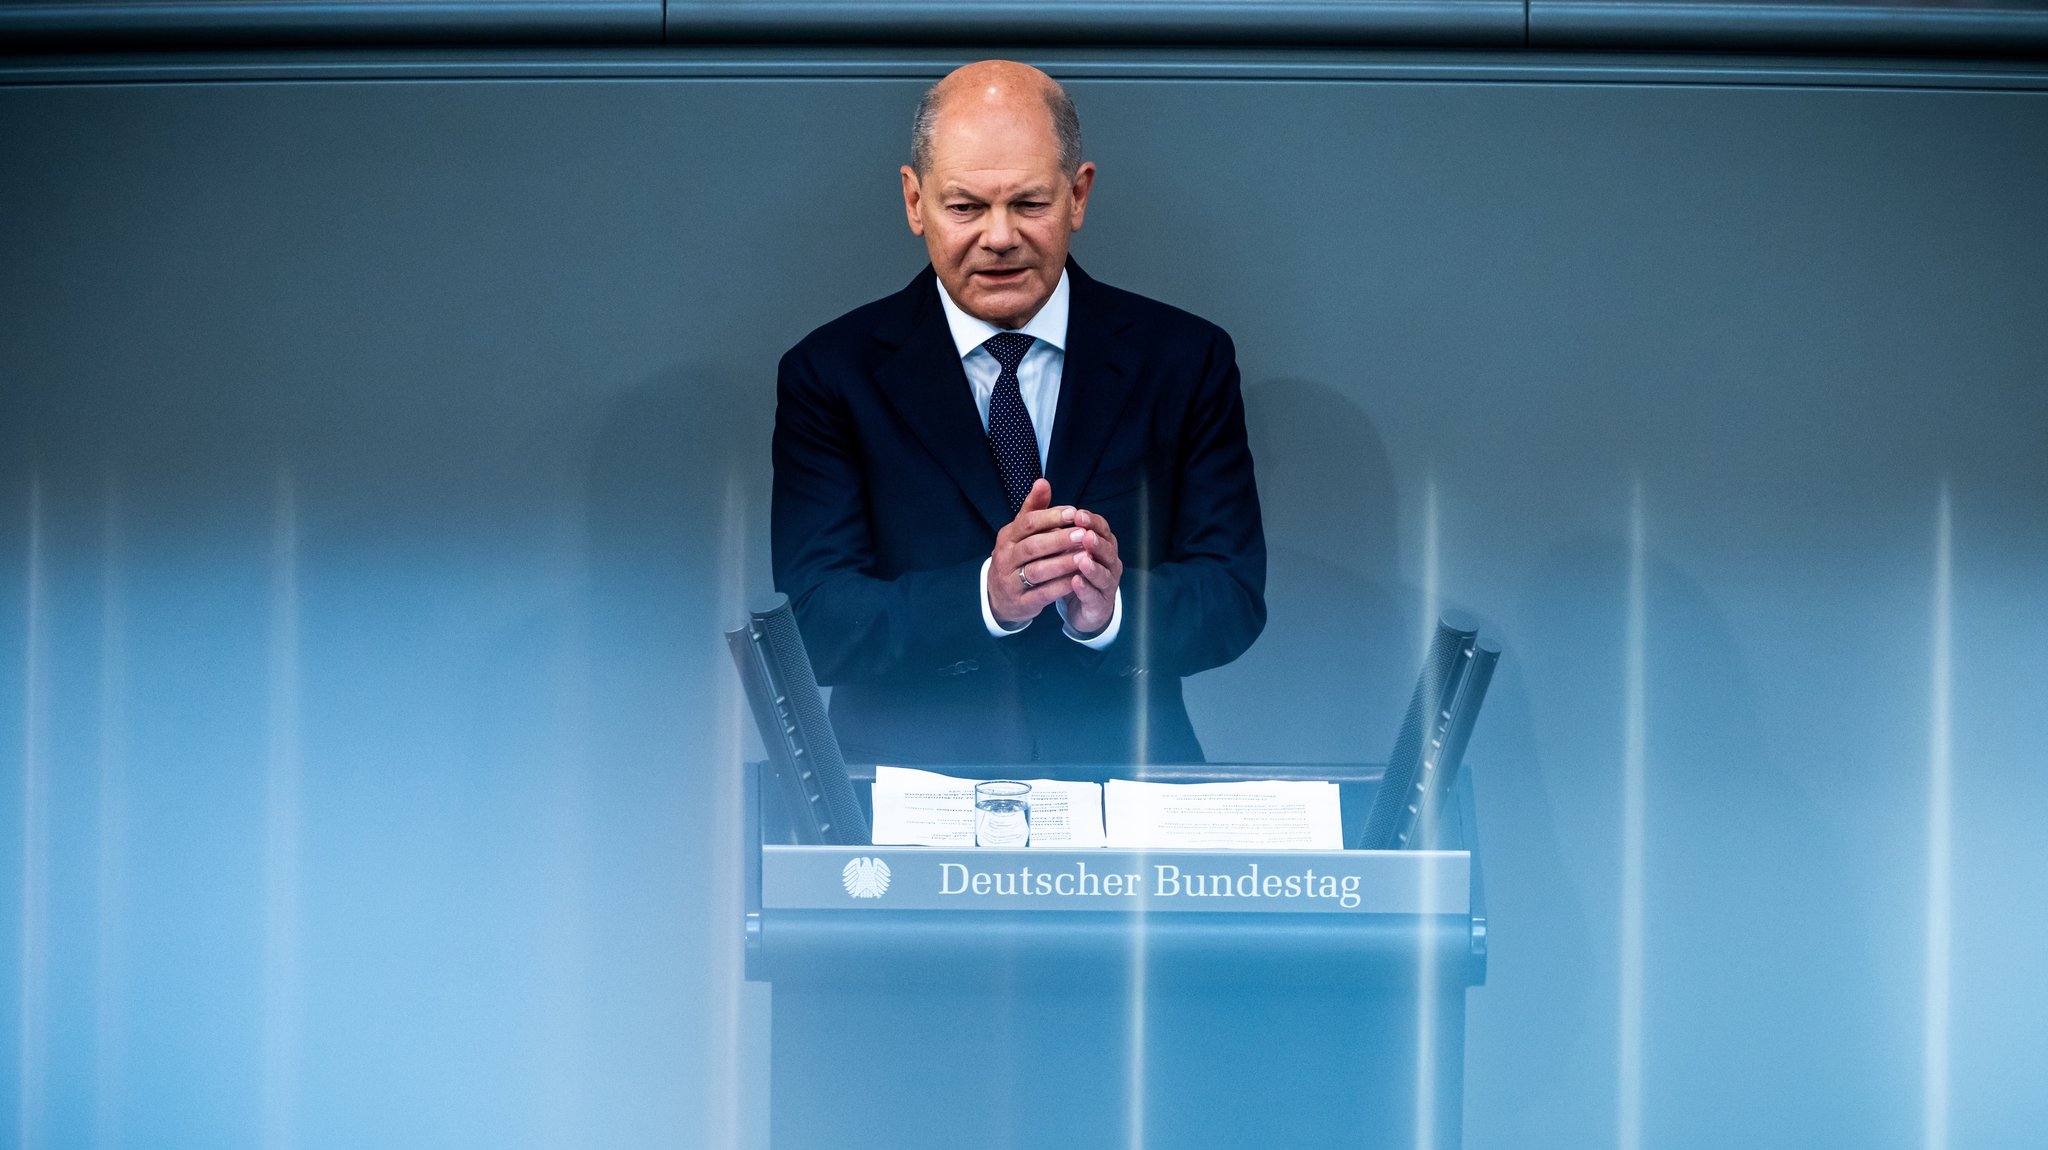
1010, 435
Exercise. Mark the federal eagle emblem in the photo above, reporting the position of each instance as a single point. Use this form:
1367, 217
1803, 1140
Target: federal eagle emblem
865, 877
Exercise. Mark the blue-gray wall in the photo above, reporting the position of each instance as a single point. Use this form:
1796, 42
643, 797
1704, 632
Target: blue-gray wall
383, 443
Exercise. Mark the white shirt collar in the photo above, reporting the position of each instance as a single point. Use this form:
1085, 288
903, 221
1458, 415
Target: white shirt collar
1049, 325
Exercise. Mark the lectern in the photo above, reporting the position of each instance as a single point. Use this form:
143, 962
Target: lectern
1059, 1000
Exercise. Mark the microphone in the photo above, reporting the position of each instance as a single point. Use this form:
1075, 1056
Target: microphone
1433, 734
803, 750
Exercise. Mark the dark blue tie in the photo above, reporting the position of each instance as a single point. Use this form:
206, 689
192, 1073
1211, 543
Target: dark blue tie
1010, 434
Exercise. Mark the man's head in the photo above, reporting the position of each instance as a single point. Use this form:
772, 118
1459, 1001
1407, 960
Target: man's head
996, 187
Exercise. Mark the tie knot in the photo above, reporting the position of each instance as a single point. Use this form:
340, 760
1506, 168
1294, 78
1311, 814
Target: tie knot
1008, 347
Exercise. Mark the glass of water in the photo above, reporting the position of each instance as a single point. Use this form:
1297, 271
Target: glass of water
1002, 814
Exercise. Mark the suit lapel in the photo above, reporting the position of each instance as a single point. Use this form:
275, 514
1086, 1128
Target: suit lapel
1095, 383
925, 384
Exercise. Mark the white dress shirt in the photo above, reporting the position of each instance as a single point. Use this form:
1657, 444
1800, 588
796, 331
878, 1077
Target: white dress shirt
1038, 379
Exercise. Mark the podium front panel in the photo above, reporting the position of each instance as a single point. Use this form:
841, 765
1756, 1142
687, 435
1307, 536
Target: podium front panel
942, 998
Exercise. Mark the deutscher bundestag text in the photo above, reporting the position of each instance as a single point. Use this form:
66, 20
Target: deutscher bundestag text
1169, 881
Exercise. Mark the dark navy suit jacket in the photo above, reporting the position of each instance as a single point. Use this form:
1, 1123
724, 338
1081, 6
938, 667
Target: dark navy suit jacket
887, 500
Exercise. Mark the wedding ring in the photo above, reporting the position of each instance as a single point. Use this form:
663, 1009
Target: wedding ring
1028, 584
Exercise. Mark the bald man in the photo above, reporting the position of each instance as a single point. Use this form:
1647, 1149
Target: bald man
1013, 506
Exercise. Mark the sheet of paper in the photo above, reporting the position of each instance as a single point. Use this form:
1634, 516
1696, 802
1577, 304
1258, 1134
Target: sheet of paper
1224, 816
922, 808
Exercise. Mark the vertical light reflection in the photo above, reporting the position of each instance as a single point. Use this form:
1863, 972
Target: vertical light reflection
281, 829
726, 801
108, 1045
1432, 570
1136, 1024
1934, 1064
559, 1089
1425, 965
1630, 1071
35, 802
1141, 684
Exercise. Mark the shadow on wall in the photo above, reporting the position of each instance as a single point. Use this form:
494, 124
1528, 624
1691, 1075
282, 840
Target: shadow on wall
676, 536
1739, 914
677, 530
1327, 679
678, 501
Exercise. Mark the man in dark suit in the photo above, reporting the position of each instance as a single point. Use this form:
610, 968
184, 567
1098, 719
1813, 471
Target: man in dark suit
960, 614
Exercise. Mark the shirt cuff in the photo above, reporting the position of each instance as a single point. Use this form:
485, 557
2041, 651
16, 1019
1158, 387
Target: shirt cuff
995, 626
1107, 635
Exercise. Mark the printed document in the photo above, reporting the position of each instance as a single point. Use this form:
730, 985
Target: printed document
923, 808
1224, 816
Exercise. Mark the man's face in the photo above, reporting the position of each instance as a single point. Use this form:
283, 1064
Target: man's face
995, 210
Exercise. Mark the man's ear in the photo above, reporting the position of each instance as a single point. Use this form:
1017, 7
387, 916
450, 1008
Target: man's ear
912, 194
1084, 181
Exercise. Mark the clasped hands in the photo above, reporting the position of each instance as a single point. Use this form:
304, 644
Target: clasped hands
1048, 554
